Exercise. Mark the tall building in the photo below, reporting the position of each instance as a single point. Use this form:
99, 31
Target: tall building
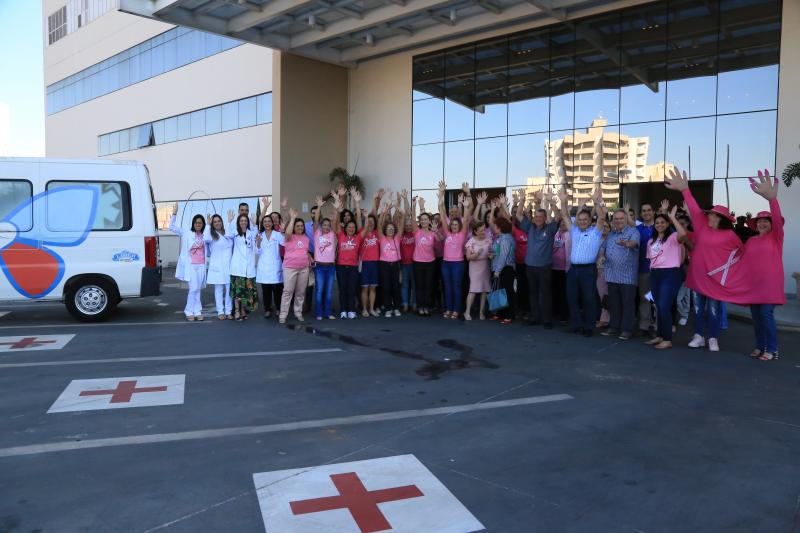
407, 93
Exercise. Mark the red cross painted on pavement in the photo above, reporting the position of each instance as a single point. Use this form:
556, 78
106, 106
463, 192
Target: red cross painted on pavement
362, 503
124, 391
26, 342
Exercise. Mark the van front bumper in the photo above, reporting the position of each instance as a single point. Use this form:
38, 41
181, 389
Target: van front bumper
151, 281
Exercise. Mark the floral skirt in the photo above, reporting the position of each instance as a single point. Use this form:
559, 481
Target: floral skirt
244, 289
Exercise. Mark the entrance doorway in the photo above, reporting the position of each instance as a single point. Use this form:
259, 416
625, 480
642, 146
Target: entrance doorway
635, 194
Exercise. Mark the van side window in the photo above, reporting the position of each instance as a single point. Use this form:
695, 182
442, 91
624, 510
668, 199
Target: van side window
112, 209
15, 206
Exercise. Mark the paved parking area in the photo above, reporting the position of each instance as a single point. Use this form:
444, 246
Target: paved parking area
150, 423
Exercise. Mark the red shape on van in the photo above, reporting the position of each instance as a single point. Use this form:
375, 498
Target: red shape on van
33, 271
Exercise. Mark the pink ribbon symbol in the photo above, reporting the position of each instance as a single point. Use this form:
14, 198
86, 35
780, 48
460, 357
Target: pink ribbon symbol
732, 259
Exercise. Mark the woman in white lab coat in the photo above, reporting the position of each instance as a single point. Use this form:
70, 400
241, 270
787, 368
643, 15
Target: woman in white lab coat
191, 262
220, 248
269, 272
243, 269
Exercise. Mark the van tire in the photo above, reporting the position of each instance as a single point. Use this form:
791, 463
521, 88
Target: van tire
91, 299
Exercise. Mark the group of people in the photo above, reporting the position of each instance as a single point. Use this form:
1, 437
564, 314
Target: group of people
541, 261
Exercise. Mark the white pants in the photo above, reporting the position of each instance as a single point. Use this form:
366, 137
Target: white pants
193, 305
222, 297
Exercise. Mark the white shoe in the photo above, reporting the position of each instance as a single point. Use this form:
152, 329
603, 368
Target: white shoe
713, 345
396, 312
351, 315
697, 341
319, 318
365, 313
388, 314
374, 313
682, 321
343, 314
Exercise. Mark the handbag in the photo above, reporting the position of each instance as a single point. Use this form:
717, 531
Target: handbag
498, 299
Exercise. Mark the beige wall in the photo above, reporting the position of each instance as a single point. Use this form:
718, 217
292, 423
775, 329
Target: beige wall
310, 122
235, 163
789, 134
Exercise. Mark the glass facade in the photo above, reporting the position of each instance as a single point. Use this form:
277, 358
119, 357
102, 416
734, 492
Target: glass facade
617, 99
251, 111
170, 50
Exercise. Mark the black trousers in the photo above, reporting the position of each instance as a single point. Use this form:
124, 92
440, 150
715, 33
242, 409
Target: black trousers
423, 283
507, 276
622, 307
390, 284
347, 277
540, 293
271, 293
523, 296
560, 307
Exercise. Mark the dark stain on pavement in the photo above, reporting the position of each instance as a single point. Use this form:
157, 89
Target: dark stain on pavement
432, 369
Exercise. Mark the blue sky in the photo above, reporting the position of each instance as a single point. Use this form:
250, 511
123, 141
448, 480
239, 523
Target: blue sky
21, 76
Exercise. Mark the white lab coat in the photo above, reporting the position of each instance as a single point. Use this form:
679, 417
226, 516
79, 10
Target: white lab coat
184, 271
230, 229
243, 259
219, 261
270, 266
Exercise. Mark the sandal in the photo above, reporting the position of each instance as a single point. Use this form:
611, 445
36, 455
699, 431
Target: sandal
653, 342
663, 345
506, 321
766, 356
756, 353
190, 318
467, 317
220, 317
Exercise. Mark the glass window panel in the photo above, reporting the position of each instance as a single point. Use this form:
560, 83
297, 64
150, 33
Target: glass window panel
642, 159
528, 86
491, 86
184, 126
692, 97
124, 140
170, 55
184, 48
123, 74
198, 123
14, 193
146, 64
597, 70
428, 76
459, 163
113, 143
427, 165
459, 121
559, 158
135, 69
212, 44
750, 89
490, 162
491, 119
213, 120
247, 112
643, 57
526, 159
562, 78
690, 146
643, 103
103, 146
264, 108
157, 60
133, 137
428, 121
158, 132
745, 143
740, 199
170, 129
459, 90
113, 208
230, 116
144, 135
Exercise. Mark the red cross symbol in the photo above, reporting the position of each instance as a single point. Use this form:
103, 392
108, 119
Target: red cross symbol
26, 342
124, 391
362, 503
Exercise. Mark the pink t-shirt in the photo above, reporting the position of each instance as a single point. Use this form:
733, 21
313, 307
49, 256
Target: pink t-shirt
454, 245
348, 249
324, 247
369, 247
390, 248
423, 249
665, 254
521, 239
197, 250
560, 250
296, 255
407, 244
763, 260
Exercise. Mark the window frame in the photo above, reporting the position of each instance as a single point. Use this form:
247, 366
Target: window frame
30, 186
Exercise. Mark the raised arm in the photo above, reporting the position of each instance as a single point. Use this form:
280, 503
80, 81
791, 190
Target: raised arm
679, 229
467, 204
356, 197
440, 195
767, 188
481, 199
679, 181
320, 202
414, 225
173, 225
337, 208
562, 195
376, 201
382, 220
289, 229
520, 211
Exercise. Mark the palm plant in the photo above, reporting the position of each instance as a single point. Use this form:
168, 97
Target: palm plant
791, 173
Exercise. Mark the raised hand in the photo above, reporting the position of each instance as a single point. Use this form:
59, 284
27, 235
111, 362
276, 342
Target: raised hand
673, 212
465, 187
342, 191
208, 219
265, 202
442, 187
292, 213
482, 196
461, 199
404, 193
676, 180
319, 202
355, 194
562, 195
502, 200
230, 215
664, 206
284, 203
337, 203
258, 240
766, 186
379, 193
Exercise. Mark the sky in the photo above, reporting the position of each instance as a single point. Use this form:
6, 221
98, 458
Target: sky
21, 79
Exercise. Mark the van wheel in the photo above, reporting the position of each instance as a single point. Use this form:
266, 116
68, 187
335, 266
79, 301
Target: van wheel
91, 301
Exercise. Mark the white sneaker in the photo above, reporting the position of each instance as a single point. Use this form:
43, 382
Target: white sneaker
351, 315
697, 341
343, 314
682, 321
713, 345
396, 312
388, 314
374, 313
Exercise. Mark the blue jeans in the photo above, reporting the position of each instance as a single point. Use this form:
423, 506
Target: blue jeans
407, 288
706, 310
764, 326
664, 283
452, 276
323, 290
582, 296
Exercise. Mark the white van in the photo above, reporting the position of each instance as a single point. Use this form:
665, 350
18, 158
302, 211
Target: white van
78, 231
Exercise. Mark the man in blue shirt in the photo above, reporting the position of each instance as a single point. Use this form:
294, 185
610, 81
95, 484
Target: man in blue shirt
619, 254
582, 296
646, 318
538, 260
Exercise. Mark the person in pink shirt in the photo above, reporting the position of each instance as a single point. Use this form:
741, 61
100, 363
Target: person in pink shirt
369, 255
561, 252
665, 253
477, 252
349, 243
324, 263
296, 263
763, 258
455, 234
389, 264
424, 256
407, 245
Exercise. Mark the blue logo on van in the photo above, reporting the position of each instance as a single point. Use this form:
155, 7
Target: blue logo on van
125, 257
